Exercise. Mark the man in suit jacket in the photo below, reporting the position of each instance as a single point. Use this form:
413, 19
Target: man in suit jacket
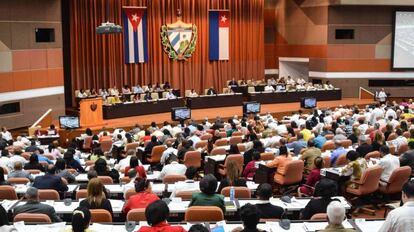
34, 206
50, 181
233, 83
266, 209
211, 91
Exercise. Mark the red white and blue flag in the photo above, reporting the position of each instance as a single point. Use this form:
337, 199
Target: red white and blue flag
219, 35
135, 35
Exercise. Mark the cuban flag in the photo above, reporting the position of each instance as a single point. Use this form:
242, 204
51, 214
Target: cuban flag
219, 35
135, 35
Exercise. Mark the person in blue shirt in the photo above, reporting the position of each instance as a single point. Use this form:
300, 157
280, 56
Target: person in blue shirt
319, 140
40, 155
339, 150
298, 145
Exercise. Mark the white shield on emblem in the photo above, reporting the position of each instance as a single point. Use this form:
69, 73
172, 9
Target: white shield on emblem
180, 38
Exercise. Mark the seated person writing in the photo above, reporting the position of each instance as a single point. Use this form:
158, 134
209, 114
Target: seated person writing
356, 166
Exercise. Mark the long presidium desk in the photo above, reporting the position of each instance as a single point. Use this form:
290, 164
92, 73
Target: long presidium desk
213, 101
295, 96
141, 108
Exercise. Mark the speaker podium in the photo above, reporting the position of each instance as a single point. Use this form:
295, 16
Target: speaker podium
91, 112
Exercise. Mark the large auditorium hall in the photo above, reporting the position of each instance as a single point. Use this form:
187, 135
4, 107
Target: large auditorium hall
206, 115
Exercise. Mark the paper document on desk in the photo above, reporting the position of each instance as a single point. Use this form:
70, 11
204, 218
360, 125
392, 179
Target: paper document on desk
8, 204
54, 227
368, 226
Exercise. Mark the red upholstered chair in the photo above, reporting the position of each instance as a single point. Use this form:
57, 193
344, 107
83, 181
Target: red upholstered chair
171, 179
329, 145
235, 140
291, 176
239, 192
221, 142
203, 214
100, 215
32, 217
397, 179
136, 215
192, 158
222, 170
7, 192
156, 154
81, 193
48, 194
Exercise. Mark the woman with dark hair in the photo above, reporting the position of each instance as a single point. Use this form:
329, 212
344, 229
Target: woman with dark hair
167, 135
2, 179
101, 169
388, 130
97, 153
377, 142
208, 196
61, 171
404, 126
356, 166
234, 149
257, 146
280, 161
143, 197
325, 189
72, 163
313, 177
88, 132
233, 176
81, 218
96, 198
250, 169
54, 151
134, 164
157, 213
34, 164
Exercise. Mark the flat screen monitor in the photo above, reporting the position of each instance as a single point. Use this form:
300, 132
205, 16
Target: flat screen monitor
403, 44
180, 113
69, 122
308, 103
251, 107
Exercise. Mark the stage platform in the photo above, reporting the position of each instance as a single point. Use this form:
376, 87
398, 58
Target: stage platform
277, 110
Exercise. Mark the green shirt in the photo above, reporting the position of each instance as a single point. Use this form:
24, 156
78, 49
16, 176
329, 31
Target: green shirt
202, 199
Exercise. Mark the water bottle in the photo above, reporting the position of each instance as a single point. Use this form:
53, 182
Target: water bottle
232, 193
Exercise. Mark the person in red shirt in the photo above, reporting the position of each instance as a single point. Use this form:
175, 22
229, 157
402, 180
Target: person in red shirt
250, 168
157, 213
147, 136
133, 163
142, 198
313, 177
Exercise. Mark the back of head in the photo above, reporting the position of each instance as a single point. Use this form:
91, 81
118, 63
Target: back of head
208, 184
336, 213
132, 173
191, 173
156, 212
141, 184
198, 228
326, 188
51, 169
408, 189
32, 193
133, 162
233, 172
264, 191
92, 174
95, 192
60, 164
18, 166
249, 214
311, 143
318, 162
352, 155
81, 218
384, 150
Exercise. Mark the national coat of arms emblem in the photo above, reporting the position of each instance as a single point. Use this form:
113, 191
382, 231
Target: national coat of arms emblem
179, 39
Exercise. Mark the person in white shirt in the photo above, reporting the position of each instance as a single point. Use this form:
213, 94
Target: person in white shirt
170, 95
82, 94
399, 140
114, 91
391, 113
290, 81
173, 168
168, 152
376, 114
269, 88
193, 93
5, 134
388, 163
5, 160
194, 137
271, 81
123, 163
132, 174
402, 218
382, 96
362, 126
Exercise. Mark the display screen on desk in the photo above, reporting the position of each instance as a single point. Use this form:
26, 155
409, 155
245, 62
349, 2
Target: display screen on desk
180, 113
69, 122
308, 103
251, 107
